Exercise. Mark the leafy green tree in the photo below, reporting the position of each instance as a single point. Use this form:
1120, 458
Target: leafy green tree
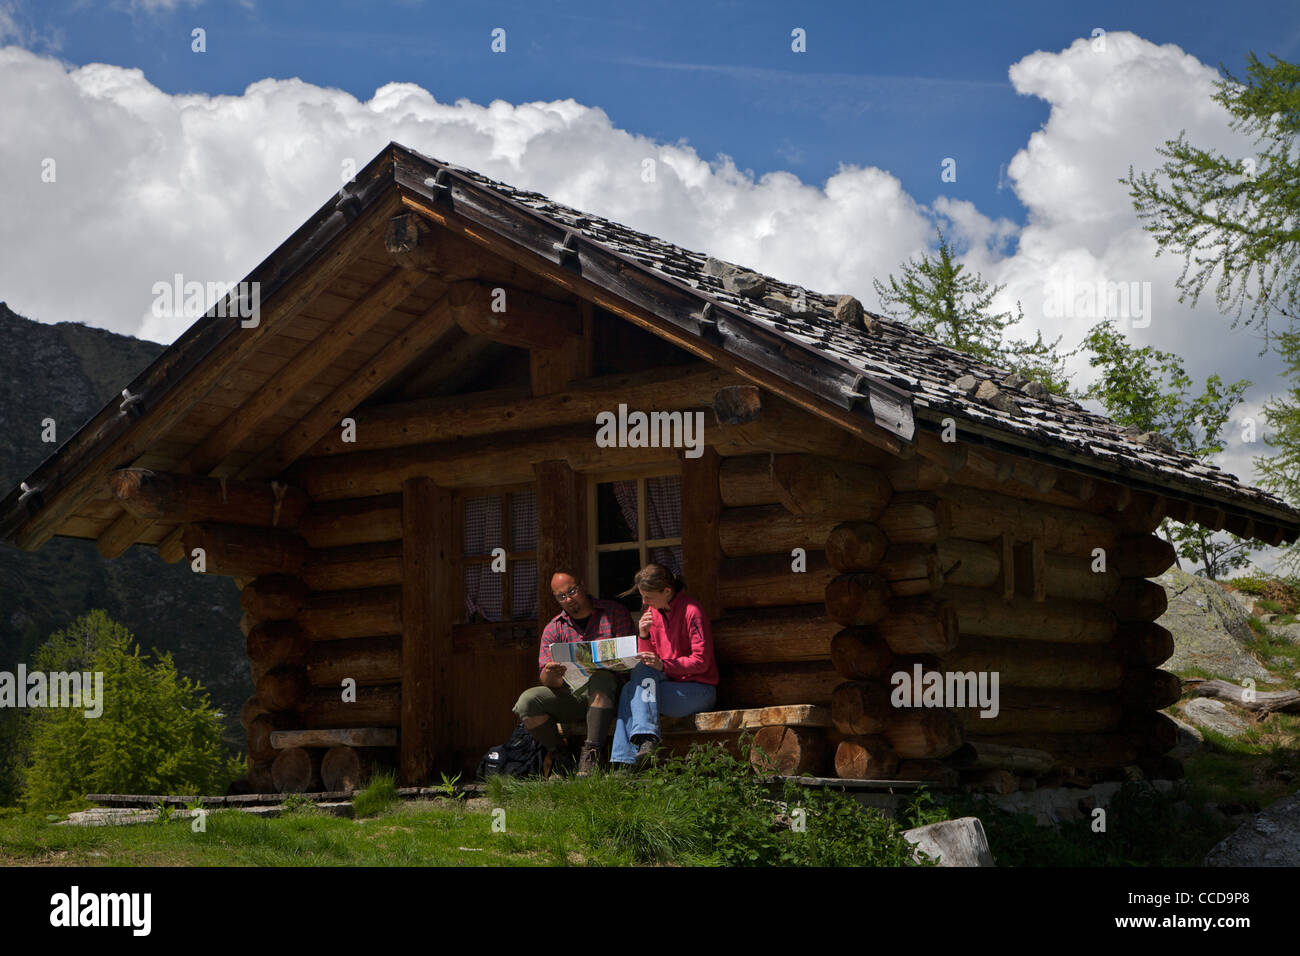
1237, 216
1149, 389
1280, 473
157, 732
938, 297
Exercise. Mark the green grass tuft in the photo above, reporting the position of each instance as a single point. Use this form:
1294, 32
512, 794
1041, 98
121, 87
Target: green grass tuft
379, 795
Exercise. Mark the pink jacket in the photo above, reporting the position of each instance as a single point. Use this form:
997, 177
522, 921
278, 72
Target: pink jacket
682, 638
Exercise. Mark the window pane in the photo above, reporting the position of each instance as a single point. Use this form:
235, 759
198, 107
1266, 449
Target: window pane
482, 525
616, 512
523, 521
617, 571
523, 589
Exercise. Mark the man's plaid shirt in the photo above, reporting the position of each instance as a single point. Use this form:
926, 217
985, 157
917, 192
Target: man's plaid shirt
608, 619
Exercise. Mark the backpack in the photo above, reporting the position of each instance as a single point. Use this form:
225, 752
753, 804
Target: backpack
520, 756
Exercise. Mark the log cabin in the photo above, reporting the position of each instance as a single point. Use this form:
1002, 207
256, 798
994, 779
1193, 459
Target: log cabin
394, 453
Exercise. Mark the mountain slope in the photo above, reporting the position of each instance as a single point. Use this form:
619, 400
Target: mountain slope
68, 372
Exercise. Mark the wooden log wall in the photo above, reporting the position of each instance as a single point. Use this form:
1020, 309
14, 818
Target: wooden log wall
979, 565
1031, 576
827, 574
337, 620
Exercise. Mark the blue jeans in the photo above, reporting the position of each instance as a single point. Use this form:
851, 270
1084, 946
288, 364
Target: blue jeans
641, 703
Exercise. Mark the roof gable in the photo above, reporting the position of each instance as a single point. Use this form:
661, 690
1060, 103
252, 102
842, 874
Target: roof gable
883, 385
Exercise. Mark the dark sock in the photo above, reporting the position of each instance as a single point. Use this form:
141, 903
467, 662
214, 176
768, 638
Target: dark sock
598, 721
547, 734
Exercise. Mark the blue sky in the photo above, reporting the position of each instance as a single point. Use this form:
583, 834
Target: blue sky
170, 161
895, 86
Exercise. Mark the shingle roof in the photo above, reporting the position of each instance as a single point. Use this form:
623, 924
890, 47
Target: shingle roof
896, 353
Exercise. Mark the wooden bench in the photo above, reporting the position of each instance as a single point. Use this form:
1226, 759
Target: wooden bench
793, 736
333, 760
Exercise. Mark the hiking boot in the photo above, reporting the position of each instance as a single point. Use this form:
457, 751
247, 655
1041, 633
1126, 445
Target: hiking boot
645, 752
589, 760
559, 763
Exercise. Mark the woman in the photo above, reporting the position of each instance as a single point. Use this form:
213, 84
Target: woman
676, 675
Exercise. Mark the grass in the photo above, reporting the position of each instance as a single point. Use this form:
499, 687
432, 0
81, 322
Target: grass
1143, 827
380, 794
704, 809
420, 833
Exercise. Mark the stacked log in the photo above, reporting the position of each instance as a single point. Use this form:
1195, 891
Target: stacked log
297, 770
1002, 570
322, 633
799, 543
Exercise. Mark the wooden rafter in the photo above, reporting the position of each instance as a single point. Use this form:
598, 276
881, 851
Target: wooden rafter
152, 417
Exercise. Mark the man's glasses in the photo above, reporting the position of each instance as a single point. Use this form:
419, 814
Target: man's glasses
565, 595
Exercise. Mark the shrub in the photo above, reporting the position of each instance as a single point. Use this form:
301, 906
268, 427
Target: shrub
157, 733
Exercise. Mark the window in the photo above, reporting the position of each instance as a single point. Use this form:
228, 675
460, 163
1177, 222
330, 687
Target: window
506, 520
633, 520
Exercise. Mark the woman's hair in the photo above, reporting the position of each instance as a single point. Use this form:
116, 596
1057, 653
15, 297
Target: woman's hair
655, 577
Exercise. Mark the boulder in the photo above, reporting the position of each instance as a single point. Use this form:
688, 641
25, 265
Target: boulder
1243, 600
849, 311
1217, 716
994, 397
958, 842
1270, 838
1190, 739
1288, 632
1209, 628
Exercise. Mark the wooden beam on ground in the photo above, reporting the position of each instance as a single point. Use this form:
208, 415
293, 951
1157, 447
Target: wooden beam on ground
428, 608
701, 516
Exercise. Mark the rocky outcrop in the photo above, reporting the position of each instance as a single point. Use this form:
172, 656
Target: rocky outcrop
1217, 716
1271, 838
960, 842
1209, 629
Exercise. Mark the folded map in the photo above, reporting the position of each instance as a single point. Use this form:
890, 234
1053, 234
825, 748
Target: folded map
583, 658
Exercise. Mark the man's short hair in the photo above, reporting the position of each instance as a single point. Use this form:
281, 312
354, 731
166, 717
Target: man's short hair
567, 572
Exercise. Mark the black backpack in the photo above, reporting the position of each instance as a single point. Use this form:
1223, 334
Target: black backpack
520, 756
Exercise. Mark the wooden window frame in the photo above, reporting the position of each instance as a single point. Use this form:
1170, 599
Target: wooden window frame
642, 545
463, 561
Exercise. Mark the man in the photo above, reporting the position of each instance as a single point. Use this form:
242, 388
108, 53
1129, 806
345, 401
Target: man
581, 618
